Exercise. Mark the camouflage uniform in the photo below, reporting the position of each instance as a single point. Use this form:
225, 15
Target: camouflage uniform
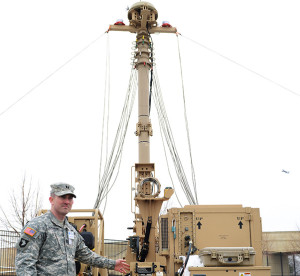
50, 247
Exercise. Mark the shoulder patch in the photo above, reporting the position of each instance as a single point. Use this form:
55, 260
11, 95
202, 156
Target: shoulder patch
29, 231
23, 242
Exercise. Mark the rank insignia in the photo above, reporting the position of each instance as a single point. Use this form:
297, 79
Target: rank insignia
29, 231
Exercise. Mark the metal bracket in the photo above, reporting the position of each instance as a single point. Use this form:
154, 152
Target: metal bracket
143, 128
145, 270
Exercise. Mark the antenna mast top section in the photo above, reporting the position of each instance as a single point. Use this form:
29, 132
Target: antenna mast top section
142, 15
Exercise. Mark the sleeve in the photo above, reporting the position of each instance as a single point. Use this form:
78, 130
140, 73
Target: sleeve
87, 256
28, 247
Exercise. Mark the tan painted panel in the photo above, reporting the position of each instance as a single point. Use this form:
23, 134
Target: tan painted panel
186, 231
230, 271
221, 229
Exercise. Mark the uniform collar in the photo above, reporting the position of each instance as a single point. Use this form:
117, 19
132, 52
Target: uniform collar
56, 221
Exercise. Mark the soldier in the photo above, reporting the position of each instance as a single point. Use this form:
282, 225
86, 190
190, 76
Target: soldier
49, 245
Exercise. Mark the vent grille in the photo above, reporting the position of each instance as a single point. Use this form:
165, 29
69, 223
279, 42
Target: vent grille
164, 233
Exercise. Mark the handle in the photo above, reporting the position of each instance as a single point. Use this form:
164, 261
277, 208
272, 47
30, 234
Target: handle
226, 261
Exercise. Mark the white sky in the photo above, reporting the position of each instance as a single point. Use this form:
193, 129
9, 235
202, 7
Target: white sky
244, 129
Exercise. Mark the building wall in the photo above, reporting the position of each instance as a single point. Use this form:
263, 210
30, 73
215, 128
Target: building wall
279, 263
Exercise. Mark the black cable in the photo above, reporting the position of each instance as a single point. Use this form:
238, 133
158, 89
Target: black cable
187, 259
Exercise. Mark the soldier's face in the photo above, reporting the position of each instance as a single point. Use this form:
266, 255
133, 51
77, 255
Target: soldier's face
61, 205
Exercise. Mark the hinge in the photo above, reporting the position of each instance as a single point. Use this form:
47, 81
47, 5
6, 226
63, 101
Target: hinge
248, 217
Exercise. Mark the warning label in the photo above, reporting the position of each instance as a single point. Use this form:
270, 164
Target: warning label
245, 274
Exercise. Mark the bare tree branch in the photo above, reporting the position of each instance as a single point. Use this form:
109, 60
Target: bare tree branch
24, 205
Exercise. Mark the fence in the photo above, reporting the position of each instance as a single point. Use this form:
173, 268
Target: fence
8, 240
115, 249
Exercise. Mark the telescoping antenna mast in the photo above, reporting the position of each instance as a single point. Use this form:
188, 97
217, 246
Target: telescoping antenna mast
180, 232
141, 253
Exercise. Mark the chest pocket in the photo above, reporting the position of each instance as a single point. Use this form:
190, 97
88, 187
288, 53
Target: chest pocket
54, 243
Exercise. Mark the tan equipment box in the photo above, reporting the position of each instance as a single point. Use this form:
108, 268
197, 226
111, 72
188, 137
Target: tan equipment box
231, 271
209, 226
227, 256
